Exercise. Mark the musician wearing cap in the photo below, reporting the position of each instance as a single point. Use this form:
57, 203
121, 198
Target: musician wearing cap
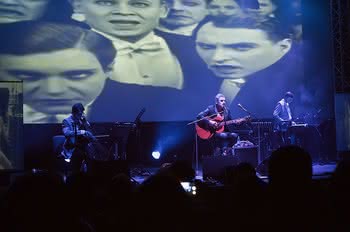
77, 131
283, 119
212, 123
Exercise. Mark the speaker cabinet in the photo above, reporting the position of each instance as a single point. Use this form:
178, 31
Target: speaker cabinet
215, 166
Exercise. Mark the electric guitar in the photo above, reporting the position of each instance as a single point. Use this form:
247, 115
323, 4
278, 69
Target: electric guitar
207, 133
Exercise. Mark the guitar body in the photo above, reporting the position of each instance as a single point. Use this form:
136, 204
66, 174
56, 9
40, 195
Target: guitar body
207, 133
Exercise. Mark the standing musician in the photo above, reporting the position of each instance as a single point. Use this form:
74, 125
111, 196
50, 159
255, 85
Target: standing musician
282, 120
77, 131
210, 122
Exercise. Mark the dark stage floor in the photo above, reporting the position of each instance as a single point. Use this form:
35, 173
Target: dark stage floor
320, 171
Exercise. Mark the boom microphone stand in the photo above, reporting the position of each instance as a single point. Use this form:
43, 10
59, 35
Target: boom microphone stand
259, 139
196, 140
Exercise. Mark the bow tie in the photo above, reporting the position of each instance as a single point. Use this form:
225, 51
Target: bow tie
143, 47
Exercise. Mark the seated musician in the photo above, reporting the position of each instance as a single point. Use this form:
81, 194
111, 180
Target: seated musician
282, 120
76, 129
209, 126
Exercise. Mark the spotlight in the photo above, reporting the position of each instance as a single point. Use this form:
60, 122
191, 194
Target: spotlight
156, 154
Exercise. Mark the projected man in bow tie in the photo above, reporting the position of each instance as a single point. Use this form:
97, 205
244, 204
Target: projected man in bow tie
143, 58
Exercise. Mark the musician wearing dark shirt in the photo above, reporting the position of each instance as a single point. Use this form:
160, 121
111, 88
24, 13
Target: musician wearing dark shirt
76, 129
213, 124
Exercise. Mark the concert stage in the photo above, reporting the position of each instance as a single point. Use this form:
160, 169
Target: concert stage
323, 171
175, 141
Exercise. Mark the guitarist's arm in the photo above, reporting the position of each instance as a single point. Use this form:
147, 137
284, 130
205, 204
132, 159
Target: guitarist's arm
205, 122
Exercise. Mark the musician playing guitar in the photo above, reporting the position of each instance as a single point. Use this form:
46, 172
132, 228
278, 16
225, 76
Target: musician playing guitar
76, 129
282, 120
213, 122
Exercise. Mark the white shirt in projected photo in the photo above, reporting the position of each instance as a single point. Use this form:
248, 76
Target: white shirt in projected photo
149, 61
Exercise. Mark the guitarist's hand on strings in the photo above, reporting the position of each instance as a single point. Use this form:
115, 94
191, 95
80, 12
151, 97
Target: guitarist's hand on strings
213, 124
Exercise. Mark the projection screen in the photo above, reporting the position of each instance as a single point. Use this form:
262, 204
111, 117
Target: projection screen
170, 58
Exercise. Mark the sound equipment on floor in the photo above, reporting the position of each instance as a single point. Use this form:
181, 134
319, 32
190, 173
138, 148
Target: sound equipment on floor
214, 166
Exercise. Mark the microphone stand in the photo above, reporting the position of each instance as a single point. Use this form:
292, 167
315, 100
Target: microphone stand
258, 128
196, 140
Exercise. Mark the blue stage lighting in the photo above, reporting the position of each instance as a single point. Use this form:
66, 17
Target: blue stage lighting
156, 154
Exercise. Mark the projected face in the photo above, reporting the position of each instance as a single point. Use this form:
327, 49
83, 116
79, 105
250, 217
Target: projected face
185, 12
238, 52
224, 8
122, 18
54, 81
266, 7
21, 10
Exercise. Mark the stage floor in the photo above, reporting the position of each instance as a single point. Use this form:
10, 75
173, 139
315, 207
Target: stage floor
320, 171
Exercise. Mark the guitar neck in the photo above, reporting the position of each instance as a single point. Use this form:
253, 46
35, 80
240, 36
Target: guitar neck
229, 122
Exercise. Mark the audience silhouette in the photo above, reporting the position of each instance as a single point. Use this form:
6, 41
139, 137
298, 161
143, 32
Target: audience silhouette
291, 200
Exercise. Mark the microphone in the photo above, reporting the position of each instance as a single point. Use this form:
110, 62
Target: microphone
83, 119
244, 109
224, 107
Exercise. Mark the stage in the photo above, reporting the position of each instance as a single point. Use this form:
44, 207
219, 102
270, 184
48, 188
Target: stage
320, 171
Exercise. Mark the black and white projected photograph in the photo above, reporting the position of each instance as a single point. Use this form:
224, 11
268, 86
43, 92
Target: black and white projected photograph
174, 115
171, 57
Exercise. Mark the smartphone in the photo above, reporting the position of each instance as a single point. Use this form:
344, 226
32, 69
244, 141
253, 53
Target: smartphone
189, 187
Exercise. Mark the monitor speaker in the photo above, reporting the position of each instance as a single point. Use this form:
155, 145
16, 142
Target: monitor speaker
215, 166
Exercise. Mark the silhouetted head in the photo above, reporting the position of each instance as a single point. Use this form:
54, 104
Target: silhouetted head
290, 165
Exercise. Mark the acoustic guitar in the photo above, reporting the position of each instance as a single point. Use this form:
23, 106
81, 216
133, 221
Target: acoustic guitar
207, 133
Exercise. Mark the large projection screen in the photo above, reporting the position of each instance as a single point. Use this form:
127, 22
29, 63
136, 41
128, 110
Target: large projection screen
170, 57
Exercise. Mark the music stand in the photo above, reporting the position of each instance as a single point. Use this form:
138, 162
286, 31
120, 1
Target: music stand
120, 133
